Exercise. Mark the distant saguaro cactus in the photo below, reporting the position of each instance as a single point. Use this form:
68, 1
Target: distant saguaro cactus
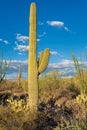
35, 67
19, 75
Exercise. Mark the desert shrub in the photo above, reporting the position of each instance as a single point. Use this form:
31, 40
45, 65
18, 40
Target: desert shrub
24, 84
4, 66
76, 126
9, 119
12, 86
82, 83
50, 80
48, 84
8, 85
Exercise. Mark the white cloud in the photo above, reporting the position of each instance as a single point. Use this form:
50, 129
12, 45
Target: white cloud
4, 41
66, 28
67, 62
21, 53
40, 23
65, 67
19, 61
38, 39
53, 53
21, 48
1, 39
22, 38
22, 43
58, 24
15, 42
13, 69
42, 35
56, 53
63, 63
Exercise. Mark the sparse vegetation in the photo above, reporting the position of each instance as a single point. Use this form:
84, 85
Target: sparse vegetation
81, 75
60, 106
62, 103
3, 68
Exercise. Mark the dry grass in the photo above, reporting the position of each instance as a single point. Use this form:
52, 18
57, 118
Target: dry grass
59, 108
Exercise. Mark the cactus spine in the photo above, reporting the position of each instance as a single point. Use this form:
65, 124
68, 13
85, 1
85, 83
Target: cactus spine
35, 67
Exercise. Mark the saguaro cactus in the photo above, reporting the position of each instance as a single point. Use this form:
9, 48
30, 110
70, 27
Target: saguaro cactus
19, 76
35, 67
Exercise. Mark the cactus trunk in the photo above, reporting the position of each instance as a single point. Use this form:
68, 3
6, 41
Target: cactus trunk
32, 69
35, 67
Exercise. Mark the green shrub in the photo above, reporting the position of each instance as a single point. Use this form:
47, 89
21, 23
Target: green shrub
82, 82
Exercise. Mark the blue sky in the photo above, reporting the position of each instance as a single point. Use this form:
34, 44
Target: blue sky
61, 26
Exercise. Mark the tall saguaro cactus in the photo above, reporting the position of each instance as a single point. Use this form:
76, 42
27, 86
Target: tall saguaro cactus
35, 67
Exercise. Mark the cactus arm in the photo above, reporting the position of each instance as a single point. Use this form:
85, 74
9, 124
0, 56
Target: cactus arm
44, 61
41, 57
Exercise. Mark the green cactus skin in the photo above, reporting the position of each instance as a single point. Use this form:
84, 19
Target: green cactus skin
35, 67
40, 58
19, 75
44, 60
